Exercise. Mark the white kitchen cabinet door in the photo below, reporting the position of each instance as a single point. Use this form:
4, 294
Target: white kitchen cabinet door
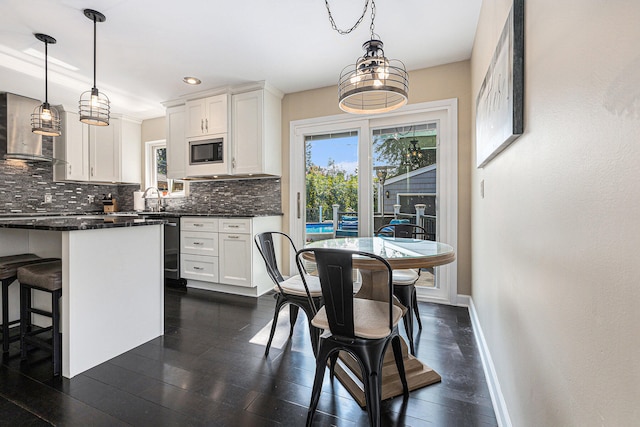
235, 259
104, 152
256, 133
206, 116
71, 150
176, 142
215, 120
195, 112
247, 133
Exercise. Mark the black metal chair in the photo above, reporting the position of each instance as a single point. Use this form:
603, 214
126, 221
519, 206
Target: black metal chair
292, 291
404, 280
363, 328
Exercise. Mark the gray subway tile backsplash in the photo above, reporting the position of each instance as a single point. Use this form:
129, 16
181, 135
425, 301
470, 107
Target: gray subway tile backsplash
23, 186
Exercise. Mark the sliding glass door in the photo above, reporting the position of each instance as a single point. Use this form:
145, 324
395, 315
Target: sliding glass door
350, 176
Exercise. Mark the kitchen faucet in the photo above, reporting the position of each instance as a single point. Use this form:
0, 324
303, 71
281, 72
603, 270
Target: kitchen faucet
159, 203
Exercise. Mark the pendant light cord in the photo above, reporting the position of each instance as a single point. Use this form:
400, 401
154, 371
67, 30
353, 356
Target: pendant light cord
358, 22
46, 73
94, 52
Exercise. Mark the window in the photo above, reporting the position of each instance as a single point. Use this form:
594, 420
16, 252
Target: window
156, 171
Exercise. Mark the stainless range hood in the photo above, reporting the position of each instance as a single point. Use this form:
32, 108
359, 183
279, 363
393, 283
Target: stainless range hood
16, 139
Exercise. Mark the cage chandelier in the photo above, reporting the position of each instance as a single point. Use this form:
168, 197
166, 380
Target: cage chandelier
45, 119
374, 84
94, 106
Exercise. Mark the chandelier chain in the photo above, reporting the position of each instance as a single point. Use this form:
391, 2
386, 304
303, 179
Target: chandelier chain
358, 22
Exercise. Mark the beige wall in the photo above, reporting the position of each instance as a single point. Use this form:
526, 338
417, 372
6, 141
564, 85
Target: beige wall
431, 84
152, 130
555, 238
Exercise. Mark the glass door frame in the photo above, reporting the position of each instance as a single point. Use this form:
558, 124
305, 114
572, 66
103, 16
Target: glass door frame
445, 112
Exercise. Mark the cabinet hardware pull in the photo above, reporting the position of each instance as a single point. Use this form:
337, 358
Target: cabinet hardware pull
198, 268
69, 169
206, 124
91, 170
198, 225
201, 125
234, 237
234, 226
298, 204
197, 243
233, 163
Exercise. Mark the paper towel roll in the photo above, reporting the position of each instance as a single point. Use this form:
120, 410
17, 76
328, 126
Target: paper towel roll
138, 201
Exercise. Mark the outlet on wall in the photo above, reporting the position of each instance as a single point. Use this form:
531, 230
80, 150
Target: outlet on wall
48, 198
91, 198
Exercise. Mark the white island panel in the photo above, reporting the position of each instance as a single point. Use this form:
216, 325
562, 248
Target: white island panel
113, 297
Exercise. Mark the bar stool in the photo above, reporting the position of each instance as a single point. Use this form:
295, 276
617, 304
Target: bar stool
45, 277
8, 274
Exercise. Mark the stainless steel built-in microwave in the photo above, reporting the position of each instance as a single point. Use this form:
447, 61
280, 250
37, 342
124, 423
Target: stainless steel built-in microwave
206, 151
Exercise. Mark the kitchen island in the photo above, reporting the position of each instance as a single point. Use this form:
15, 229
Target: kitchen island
112, 281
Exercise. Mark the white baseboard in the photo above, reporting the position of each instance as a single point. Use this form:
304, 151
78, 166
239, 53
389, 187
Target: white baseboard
497, 399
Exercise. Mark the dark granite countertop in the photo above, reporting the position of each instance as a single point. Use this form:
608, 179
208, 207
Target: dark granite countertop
170, 214
68, 221
76, 222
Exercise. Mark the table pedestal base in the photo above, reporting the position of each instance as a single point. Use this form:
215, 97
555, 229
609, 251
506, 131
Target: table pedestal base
418, 374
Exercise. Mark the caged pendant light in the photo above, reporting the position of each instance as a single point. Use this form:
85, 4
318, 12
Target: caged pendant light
374, 84
45, 119
94, 106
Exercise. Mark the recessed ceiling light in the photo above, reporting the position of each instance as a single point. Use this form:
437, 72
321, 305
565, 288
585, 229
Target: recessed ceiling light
192, 80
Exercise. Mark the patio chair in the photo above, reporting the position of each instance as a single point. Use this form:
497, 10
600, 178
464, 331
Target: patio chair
361, 327
292, 291
404, 280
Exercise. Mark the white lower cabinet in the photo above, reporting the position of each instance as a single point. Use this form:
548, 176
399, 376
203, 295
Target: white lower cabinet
219, 253
199, 248
199, 267
235, 259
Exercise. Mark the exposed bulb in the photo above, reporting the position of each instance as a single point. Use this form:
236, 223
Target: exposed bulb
46, 115
95, 101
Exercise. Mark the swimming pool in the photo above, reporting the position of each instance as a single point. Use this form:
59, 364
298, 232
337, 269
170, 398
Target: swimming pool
319, 227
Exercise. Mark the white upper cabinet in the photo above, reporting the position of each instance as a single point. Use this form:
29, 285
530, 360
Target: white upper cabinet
176, 153
71, 150
247, 118
97, 153
207, 116
256, 137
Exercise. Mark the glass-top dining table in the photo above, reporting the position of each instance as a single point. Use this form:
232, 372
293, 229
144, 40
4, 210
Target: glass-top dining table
401, 254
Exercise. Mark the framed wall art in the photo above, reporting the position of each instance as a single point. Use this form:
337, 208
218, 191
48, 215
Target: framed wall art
500, 102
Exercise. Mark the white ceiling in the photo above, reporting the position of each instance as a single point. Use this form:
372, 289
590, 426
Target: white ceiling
146, 47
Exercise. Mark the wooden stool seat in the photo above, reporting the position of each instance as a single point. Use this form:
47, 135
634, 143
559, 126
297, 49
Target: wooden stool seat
8, 274
46, 277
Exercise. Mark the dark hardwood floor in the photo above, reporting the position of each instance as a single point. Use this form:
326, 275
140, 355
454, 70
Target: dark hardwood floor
209, 369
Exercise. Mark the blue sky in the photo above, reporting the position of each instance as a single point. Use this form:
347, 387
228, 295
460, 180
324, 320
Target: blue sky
344, 151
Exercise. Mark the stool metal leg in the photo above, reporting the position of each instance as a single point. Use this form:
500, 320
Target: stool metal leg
5, 314
57, 339
24, 304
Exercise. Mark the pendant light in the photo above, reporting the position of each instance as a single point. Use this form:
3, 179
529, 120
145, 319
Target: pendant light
45, 119
374, 84
94, 106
